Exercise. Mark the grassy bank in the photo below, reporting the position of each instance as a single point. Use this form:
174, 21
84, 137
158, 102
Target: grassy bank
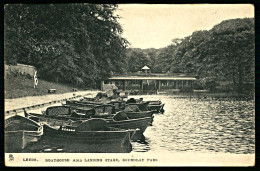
21, 86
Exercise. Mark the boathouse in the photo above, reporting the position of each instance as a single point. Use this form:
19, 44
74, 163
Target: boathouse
144, 81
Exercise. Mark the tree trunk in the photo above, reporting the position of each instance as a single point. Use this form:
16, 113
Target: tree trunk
233, 77
57, 79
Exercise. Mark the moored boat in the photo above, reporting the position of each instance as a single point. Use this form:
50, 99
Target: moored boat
119, 105
82, 102
99, 110
133, 112
106, 111
58, 116
140, 123
21, 132
141, 114
156, 105
61, 113
93, 136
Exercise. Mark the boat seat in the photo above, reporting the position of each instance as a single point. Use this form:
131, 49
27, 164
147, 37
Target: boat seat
143, 106
58, 110
120, 116
132, 108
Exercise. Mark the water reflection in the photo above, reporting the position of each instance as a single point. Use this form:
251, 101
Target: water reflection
203, 126
193, 125
141, 145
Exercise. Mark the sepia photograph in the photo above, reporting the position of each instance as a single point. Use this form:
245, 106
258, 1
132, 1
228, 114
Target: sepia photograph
129, 84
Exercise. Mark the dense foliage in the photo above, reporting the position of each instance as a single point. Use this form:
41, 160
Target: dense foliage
82, 43
72, 43
224, 54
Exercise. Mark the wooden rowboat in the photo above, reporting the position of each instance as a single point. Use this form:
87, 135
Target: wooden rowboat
133, 120
133, 111
141, 114
20, 132
58, 113
92, 136
156, 105
141, 123
106, 110
118, 105
61, 113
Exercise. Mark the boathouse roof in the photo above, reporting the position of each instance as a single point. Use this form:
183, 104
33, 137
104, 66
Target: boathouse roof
145, 67
150, 78
153, 76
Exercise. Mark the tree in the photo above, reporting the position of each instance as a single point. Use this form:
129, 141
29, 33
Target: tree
224, 53
82, 45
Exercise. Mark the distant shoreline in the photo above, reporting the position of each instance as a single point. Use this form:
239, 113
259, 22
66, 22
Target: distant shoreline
205, 95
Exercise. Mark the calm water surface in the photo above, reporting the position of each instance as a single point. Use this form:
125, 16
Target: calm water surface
198, 125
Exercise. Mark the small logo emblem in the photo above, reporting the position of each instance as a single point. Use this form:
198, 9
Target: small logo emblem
11, 157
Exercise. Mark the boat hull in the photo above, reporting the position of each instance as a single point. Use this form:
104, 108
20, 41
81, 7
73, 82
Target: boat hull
141, 123
142, 114
157, 108
89, 141
20, 132
17, 141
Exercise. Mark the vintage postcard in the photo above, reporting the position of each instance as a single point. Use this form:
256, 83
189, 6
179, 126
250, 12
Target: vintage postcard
129, 84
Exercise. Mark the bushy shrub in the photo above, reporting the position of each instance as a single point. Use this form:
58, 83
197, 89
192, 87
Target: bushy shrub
207, 83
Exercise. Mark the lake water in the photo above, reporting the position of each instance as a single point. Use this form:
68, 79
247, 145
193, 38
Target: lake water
200, 125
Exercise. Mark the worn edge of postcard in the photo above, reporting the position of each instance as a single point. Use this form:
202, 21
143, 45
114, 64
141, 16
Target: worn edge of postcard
135, 159
164, 158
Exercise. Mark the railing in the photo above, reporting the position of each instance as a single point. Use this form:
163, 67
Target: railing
155, 74
129, 87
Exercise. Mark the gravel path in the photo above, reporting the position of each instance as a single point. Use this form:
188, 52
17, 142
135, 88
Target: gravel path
11, 104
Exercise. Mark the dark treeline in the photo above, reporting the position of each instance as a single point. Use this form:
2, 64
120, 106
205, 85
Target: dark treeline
68, 43
82, 44
221, 57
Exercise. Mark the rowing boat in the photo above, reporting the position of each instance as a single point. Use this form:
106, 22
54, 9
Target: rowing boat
20, 132
156, 105
92, 136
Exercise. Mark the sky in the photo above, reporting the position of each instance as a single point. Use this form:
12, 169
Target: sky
156, 25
